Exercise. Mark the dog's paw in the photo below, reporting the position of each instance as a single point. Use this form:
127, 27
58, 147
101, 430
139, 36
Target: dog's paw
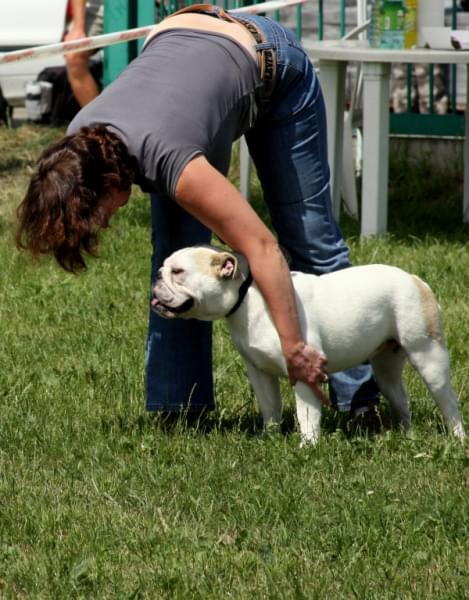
309, 440
458, 431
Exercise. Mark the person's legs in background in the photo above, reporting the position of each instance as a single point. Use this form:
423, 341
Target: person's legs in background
289, 148
82, 82
178, 357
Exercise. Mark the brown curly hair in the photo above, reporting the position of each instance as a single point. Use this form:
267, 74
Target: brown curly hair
59, 213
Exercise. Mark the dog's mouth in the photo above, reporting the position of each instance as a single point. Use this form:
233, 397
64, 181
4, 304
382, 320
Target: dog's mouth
161, 307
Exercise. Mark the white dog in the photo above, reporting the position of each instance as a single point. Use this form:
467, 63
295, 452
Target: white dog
374, 312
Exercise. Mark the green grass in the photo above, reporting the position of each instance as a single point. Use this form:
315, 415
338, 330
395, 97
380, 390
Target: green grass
100, 500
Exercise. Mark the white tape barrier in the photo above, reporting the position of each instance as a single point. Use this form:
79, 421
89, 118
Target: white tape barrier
108, 39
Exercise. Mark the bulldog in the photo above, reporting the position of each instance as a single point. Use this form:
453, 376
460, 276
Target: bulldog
374, 312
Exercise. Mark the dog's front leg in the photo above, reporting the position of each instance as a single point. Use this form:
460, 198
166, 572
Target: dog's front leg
267, 391
308, 411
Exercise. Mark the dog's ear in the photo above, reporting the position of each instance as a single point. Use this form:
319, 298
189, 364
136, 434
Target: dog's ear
225, 265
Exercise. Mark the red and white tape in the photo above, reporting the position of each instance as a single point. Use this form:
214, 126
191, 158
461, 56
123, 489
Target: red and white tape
108, 39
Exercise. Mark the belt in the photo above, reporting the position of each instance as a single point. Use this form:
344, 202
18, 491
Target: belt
266, 55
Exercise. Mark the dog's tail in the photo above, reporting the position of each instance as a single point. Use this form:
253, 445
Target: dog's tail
430, 309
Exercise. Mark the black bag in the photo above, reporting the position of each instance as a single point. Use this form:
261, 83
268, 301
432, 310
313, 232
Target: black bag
63, 105
4, 109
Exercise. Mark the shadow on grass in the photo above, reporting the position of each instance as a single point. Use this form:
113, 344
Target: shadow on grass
13, 163
246, 422
425, 201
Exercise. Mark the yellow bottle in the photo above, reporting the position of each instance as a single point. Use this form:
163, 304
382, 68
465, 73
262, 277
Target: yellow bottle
410, 24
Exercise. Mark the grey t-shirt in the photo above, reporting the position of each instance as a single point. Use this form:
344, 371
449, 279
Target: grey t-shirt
189, 93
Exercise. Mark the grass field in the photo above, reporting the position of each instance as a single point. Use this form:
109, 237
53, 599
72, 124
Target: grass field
99, 500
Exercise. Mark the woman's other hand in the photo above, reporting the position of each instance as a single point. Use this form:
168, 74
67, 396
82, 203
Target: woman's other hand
308, 365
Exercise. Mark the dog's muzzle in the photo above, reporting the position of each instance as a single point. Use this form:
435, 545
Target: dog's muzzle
163, 301
160, 307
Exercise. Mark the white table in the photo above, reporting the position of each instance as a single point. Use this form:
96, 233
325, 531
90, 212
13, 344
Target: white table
376, 68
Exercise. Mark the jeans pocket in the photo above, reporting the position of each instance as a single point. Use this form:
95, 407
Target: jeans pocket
286, 35
295, 89
289, 50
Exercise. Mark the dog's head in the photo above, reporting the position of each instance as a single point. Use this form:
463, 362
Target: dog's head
199, 282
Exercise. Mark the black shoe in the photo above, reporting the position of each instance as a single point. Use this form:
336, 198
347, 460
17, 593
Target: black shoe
365, 420
168, 420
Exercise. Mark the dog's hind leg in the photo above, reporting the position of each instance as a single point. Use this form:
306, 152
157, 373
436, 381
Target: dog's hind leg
267, 391
388, 364
308, 412
430, 359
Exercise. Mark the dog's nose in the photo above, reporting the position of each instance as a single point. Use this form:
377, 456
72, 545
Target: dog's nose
154, 300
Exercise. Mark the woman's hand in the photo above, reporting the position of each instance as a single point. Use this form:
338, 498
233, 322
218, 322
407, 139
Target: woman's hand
75, 33
309, 366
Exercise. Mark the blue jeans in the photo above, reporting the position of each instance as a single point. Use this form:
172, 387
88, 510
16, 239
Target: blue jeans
289, 148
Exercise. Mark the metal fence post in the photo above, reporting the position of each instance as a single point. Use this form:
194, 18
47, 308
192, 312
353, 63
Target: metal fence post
118, 16
116, 58
145, 15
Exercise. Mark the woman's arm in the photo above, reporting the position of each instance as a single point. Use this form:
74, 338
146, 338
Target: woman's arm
77, 29
210, 197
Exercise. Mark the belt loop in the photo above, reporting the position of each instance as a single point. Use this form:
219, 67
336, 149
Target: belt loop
264, 46
266, 54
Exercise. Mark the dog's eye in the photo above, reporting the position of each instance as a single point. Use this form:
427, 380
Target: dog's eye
176, 271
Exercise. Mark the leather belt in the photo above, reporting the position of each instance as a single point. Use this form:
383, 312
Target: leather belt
266, 55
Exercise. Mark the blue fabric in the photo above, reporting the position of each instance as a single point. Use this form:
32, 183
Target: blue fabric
289, 147
178, 357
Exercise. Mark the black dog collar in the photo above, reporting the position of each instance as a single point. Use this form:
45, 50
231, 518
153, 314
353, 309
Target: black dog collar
241, 294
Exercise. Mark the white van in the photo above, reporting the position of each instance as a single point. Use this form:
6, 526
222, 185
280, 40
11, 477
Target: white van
24, 24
